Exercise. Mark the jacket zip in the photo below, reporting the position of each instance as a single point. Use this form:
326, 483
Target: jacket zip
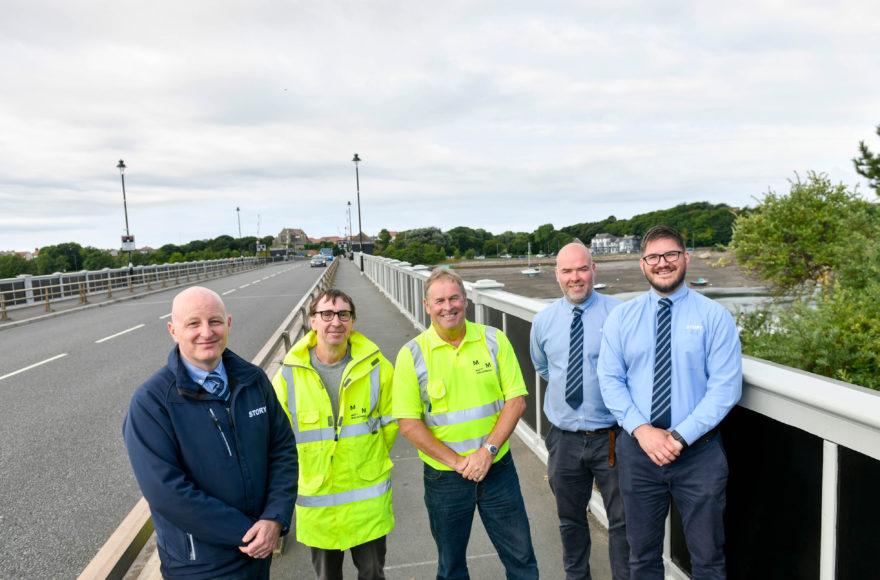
220, 429
192, 546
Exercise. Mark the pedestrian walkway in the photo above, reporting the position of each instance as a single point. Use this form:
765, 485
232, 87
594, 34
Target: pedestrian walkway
411, 551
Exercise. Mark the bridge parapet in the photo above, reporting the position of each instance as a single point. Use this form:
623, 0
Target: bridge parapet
803, 450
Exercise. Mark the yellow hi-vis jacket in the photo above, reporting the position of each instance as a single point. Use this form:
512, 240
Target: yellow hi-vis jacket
344, 496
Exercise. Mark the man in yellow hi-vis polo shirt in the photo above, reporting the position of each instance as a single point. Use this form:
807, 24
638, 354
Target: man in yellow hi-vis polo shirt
458, 393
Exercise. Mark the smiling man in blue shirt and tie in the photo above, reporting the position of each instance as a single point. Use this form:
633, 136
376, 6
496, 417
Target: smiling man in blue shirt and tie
564, 345
670, 369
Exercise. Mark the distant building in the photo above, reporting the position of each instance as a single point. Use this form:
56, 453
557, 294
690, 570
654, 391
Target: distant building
609, 244
293, 238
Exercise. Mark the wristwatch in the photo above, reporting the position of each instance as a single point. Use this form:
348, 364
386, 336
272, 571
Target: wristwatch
492, 449
680, 439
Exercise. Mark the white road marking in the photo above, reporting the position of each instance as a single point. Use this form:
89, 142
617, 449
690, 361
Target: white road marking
119, 333
245, 286
229, 291
13, 373
165, 316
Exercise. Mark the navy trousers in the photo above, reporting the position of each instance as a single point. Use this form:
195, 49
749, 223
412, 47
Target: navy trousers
697, 480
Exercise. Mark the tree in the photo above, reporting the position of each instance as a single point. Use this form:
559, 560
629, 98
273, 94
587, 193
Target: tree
798, 240
868, 165
95, 259
11, 265
817, 248
384, 240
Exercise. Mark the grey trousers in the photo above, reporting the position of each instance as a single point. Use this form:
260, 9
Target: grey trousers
368, 558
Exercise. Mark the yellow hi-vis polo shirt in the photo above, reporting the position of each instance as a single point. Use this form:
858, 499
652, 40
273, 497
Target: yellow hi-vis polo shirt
457, 392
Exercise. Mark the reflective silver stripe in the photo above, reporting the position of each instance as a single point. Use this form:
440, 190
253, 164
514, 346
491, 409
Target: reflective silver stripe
355, 430
343, 497
465, 415
386, 420
375, 386
287, 375
421, 371
492, 343
312, 435
466, 445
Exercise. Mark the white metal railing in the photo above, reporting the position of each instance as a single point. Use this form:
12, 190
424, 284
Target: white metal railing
839, 413
29, 290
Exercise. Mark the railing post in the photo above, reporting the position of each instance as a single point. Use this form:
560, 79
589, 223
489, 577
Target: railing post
82, 293
3, 316
46, 294
130, 287
163, 278
109, 286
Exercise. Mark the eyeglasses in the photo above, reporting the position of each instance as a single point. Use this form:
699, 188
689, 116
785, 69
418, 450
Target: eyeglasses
327, 315
670, 257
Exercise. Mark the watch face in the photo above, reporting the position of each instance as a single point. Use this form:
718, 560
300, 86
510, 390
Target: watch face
492, 449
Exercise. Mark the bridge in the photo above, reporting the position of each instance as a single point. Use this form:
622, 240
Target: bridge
803, 449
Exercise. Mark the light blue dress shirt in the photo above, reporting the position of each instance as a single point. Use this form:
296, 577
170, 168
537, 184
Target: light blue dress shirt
199, 375
706, 362
549, 346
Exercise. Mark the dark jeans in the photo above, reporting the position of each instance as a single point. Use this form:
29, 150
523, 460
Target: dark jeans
575, 460
697, 481
451, 500
368, 558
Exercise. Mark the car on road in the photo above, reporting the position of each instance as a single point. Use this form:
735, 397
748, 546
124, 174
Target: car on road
318, 262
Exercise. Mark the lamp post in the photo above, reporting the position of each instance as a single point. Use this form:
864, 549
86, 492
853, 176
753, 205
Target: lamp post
121, 168
350, 251
240, 250
357, 160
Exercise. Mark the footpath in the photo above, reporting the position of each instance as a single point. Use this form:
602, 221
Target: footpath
411, 551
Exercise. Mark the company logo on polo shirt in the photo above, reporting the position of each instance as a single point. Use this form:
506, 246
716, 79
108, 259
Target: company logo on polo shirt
257, 411
482, 367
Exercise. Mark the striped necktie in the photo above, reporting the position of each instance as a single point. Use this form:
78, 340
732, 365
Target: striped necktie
215, 384
574, 381
661, 402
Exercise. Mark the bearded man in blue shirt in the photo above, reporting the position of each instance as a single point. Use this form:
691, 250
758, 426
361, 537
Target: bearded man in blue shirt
670, 369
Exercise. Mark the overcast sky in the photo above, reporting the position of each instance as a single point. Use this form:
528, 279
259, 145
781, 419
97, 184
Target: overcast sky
489, 114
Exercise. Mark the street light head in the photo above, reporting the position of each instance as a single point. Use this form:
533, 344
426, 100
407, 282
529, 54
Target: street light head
121, 167
356, 159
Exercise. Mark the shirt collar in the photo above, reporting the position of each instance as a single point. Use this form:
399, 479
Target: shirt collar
584, 306
434, 340
199, 375
676, 297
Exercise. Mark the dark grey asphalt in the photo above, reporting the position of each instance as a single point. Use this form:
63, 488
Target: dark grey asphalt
65, 481
411, 550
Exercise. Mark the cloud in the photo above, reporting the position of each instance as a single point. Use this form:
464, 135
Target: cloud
486, 114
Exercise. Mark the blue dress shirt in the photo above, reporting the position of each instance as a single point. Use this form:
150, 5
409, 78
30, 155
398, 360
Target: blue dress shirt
706, 362
199, 375
549, 346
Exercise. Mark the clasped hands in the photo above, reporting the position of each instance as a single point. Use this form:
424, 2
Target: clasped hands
476, 465
659, 444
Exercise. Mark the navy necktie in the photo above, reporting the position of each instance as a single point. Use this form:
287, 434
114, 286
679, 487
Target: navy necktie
661, 402
574, 381
215, 384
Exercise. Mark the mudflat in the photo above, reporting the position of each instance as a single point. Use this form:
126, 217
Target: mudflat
620, 273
